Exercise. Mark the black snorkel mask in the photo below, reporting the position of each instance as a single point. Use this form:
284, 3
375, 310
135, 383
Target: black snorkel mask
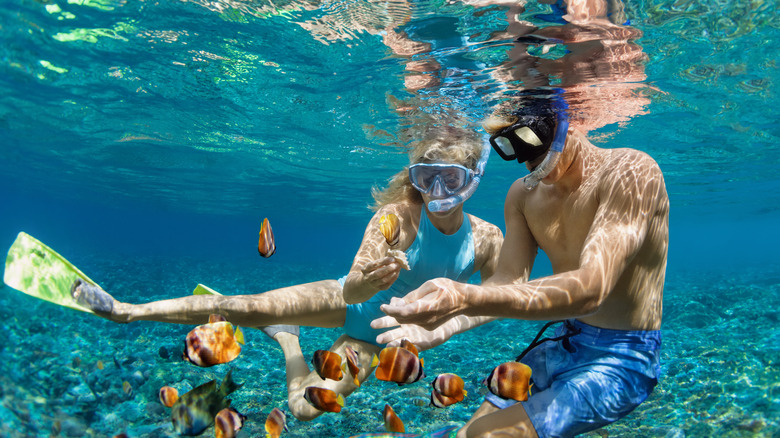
540, 130
527, 139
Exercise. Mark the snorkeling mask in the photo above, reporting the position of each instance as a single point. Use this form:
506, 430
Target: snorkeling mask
439, 180
459, 192
541, 129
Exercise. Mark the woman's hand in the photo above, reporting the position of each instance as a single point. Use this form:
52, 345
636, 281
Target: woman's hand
421, 338
381, 274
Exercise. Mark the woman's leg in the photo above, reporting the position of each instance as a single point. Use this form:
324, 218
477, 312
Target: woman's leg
299, 377
491, 422
317, 304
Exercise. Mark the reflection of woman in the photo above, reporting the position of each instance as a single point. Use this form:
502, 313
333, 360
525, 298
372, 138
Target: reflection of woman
448, 244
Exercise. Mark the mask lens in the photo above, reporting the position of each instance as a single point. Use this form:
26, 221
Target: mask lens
504, 146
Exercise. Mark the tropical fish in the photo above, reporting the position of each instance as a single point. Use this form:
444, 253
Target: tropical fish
266, 245
510, 380
390, 226
127, 388
215, 317
168, 396
353, 363
328, 365
276, 423
441, 401
449, 385
227, 423
324, 399
213, 344
196, 410
392, 422
399, 365
409, 345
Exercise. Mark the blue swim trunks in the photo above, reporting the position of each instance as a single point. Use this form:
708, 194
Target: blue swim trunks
588, 380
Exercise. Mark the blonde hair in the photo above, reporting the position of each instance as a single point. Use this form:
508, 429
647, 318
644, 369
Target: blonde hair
440, 144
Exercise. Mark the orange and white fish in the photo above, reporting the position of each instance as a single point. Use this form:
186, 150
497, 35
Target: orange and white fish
392, 422
510, 380
324, 399
266, 245
168, 396
441, 401
390, 227
328, 365
353, 363
227, 423
407, 344
399, 365
449, 385
276, 423
213, 344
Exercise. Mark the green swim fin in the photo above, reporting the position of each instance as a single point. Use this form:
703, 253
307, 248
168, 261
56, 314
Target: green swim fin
201, 289
37, 270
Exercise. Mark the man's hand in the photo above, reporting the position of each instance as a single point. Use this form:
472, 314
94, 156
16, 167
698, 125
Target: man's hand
428, 306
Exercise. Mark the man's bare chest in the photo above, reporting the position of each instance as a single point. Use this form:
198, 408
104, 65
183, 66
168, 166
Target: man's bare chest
561, 226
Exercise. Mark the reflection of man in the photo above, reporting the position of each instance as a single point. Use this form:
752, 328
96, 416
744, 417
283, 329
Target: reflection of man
601, 216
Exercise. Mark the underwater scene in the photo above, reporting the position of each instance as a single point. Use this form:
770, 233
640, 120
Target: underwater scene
146, 142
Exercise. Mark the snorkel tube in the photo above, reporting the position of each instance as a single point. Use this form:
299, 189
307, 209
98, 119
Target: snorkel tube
439, 205
559, 141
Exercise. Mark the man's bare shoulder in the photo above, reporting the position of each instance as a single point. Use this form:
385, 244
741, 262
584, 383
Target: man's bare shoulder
632, 174
626, 165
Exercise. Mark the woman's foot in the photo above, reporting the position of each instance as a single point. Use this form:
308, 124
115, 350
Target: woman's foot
92, 297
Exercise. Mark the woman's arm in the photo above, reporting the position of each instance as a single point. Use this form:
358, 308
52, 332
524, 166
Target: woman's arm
372, 269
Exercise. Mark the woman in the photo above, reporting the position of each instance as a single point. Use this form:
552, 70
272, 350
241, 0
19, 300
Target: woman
445, 168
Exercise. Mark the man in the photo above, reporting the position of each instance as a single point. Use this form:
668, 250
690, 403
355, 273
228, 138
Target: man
601, 216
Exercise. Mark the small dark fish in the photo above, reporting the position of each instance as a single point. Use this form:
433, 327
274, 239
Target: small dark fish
510, 380
392, 422
266, 245
276, 423
324, 399
195, 411
328, 365
127, 388
227, 423
399, 365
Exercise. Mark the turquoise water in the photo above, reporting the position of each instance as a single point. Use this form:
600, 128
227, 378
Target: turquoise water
146, 141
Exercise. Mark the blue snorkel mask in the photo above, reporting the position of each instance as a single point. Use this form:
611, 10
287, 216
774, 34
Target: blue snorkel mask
459, 197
